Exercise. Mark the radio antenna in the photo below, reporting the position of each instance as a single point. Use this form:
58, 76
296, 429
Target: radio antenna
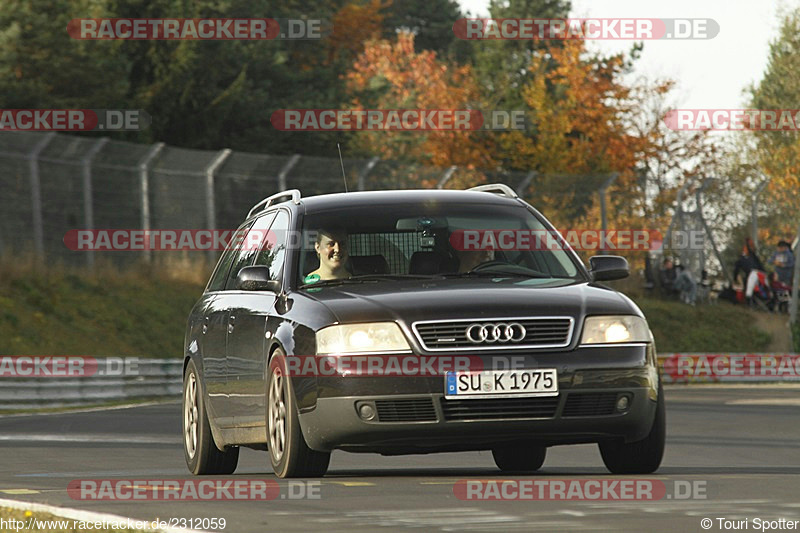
341, 161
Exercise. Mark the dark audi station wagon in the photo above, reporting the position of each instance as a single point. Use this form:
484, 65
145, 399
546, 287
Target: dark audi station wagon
414, 321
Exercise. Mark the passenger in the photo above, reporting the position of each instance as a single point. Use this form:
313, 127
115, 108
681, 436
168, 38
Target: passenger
331, 249
469, 259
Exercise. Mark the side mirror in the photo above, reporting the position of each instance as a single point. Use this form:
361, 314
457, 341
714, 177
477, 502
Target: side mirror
256, 278
608, 267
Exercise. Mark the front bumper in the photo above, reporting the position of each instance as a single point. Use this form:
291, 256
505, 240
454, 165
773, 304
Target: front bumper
412, 415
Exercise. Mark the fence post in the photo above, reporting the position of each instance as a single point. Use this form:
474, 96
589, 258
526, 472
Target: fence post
446, 176
678, 215
710, 235
144, 191
526, 181
211, 214
362, 177
754, 206
36, 193
88, 206
284, 173
603, 216
795, 283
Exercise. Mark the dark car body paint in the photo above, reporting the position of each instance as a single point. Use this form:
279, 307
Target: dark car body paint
233, 354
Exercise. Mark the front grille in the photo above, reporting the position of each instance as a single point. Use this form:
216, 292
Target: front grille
590, 404
500, 408
549, 332
414, 410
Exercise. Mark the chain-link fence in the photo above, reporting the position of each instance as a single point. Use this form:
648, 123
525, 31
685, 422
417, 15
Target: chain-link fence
53, 183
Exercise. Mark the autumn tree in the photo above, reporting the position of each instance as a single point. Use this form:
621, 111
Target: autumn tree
503, 67
777, 153
392, 75
579, 131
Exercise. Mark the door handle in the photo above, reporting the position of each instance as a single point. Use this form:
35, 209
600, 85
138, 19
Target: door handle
205, 326
231, 323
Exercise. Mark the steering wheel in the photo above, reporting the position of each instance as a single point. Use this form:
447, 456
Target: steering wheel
488, 264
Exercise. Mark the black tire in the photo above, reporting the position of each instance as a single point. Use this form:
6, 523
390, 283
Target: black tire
519, 457
289, 454
640, 457
205, 458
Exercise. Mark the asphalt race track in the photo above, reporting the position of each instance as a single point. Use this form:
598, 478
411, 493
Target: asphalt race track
742, 445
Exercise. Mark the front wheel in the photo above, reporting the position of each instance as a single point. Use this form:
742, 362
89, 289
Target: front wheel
288, 452
202, 455
519, 457
640, 457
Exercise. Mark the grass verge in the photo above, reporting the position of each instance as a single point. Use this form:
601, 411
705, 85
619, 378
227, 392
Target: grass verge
721, 328
142, 312
62, 311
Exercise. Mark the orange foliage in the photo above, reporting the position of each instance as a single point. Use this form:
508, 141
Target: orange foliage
575, 110
391, 75
354, 25
579, 111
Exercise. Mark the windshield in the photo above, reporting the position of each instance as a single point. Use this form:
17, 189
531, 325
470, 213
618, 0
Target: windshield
388, 243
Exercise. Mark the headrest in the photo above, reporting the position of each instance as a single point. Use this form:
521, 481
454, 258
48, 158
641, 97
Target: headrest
368, 264
427, 263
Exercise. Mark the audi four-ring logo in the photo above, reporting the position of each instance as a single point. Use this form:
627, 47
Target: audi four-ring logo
500, 332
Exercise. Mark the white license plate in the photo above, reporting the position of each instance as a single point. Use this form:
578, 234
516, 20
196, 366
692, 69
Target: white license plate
501, 383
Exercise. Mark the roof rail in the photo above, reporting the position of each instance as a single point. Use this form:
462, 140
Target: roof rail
496, 188
268, 202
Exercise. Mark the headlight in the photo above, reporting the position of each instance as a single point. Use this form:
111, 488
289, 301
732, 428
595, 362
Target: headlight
615, 329
375, 337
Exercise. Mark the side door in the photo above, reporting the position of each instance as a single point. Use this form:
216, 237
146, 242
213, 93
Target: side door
215, 334
248, 311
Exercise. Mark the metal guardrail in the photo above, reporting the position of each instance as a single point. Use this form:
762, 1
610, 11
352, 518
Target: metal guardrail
152, 378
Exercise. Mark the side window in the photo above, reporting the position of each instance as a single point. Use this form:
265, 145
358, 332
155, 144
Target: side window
248, 248
273, 250
220, 274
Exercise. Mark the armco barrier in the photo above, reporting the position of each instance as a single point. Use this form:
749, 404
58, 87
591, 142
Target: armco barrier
148, 378
163, 378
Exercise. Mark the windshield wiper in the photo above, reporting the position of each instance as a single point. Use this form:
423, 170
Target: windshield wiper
365, 278
498, 272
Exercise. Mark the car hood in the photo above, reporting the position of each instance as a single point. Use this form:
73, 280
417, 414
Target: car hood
410, 301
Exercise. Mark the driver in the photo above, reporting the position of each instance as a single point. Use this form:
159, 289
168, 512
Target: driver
331, 248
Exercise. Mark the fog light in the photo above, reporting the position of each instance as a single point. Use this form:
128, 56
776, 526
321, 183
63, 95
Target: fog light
623, 402
366, 411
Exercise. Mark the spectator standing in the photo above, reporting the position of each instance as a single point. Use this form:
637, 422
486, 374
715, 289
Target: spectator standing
685, 284
666, 276
783, 260
750, 265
